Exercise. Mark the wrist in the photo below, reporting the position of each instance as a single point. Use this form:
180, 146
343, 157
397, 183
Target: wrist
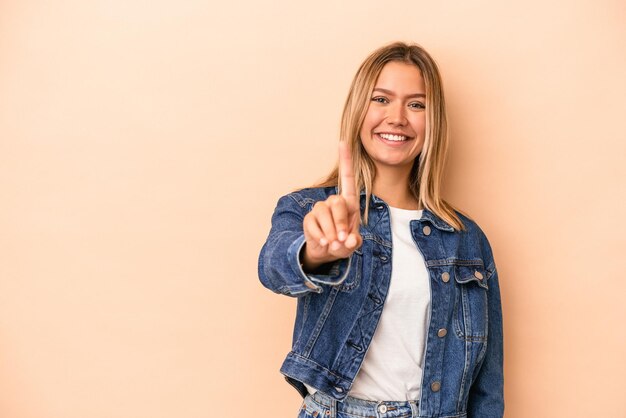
310, 265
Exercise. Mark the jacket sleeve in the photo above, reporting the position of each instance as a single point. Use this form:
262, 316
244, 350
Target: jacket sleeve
279, 261
486, 396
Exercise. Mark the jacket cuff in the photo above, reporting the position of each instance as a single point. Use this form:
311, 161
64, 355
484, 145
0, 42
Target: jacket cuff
334, 273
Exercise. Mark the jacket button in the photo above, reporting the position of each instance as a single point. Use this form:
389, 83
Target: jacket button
426, 230
383, 257
382, 408
445, 277
442, 332
478, 275
435, 386
338, 389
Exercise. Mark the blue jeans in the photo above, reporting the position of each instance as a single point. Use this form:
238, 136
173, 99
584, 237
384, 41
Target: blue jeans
320, 405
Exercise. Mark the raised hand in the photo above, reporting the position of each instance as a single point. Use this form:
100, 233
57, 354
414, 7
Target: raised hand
331, 228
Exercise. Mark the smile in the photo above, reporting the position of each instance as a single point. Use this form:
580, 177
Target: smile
392, 139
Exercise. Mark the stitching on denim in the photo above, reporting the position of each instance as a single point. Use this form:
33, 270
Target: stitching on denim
379, 240
467, 320
455, 262
475, 338
317, 407
480, 357
301, 201
287, 290
308, 360
491, 270
305, 314
471, 278
320, 322
455, 318
462, 415
358, 325
465, 332
334, 282
464, 377
356, 268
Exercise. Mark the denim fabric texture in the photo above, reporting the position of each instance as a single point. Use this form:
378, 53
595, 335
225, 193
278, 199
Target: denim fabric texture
335, 321
320, 405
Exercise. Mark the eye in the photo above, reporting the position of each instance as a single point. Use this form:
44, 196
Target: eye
417, 105
380, 99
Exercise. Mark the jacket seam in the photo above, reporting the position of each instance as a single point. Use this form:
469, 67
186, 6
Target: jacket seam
321, 321
309, 360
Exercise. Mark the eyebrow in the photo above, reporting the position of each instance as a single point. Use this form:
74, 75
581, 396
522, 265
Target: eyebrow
389, 92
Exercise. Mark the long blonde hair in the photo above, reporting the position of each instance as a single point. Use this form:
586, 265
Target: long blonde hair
426, 175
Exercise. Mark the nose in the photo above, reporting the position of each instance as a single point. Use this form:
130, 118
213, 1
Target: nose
396, 114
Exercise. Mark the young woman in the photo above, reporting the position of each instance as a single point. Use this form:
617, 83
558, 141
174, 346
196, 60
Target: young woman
398, 301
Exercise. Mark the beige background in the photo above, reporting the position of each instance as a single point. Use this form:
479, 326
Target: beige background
144, 144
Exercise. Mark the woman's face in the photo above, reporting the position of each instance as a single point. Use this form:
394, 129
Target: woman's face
393, 130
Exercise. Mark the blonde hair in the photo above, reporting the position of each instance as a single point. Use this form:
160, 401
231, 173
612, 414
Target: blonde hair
425, 181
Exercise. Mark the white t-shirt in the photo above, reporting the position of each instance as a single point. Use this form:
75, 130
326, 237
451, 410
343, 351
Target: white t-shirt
392, 367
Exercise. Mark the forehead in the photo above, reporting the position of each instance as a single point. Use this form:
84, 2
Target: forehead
402, 76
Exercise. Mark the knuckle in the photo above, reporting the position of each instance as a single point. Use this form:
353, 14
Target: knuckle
337, 201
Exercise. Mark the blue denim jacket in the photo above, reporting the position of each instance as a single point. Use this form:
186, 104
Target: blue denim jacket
335, 321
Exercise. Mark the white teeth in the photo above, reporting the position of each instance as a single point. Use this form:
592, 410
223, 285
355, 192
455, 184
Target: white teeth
393, 137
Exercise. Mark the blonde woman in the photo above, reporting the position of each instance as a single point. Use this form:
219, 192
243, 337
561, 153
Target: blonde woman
398, 301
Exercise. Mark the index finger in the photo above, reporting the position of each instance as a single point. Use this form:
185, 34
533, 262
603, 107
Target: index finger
348, 188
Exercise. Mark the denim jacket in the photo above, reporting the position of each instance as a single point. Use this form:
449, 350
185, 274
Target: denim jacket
336, 317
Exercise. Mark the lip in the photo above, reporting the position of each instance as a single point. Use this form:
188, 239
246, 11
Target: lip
392, 143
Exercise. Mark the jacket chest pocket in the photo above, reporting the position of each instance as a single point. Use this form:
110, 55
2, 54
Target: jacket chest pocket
471, 304
356, 270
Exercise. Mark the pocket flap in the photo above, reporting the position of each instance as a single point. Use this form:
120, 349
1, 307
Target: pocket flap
468, 274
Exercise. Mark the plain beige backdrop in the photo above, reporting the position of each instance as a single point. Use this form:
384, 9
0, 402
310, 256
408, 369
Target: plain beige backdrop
144, 144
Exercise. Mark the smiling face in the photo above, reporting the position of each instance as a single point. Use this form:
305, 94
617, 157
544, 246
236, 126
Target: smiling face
393, 130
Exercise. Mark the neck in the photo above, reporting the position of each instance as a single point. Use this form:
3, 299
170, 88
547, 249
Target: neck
392, 185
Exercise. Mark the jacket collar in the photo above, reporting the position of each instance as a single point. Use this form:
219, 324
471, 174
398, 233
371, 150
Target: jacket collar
426, 213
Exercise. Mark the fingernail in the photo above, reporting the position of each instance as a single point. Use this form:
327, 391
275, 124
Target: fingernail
323, 241
335, 245
342, 235
351, 241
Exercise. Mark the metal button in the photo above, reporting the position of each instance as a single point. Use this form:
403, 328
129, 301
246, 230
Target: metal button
478, 275
382, 408
426, 230
445, 277
383, 257
338, 389
435, 386
442, 332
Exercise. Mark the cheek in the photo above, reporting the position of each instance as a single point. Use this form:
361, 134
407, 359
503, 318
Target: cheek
373, 117
419, 123
366, 129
